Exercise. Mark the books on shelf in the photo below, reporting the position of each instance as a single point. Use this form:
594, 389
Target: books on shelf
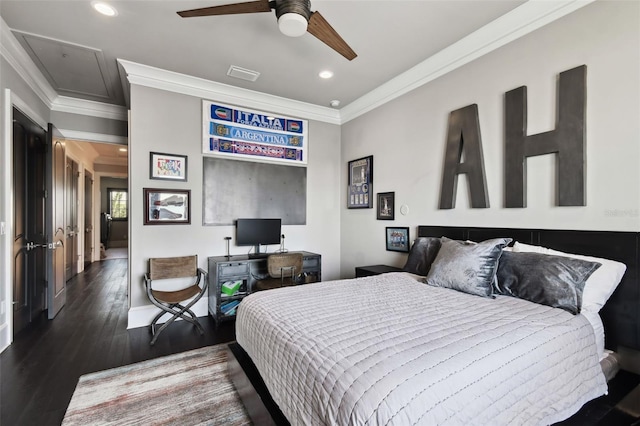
229, 308
230, 288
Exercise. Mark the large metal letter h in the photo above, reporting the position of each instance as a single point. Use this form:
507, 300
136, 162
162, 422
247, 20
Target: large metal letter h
567, 141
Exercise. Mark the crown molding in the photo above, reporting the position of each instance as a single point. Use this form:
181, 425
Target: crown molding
91, 108
93, 137
144, 75
520, 21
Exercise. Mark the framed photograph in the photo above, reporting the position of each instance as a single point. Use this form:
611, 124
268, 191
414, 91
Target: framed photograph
386, 205
360, 193
398, 239
168, 167
167, 206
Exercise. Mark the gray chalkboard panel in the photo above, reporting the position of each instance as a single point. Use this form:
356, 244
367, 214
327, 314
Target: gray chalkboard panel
234, 189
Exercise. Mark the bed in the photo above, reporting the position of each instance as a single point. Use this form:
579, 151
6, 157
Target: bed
391, 349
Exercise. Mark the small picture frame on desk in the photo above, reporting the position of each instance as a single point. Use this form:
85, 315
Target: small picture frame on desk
167, 206
397, 239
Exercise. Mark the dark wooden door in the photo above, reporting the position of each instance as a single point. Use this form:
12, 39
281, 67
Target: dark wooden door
29, 231
88, 218
71, 221
57, 292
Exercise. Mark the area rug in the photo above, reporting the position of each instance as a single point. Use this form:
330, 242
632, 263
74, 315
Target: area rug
190, 388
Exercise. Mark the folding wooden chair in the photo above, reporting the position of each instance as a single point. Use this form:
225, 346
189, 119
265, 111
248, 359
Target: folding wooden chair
171, 302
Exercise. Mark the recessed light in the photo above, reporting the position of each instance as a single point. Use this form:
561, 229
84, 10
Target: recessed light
122, 149
325, 74
104, 8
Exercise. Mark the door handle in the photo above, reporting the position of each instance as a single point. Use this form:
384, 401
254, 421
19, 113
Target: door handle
53, 246
32, 246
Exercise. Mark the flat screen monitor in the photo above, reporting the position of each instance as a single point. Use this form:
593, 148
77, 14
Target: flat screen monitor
257, 232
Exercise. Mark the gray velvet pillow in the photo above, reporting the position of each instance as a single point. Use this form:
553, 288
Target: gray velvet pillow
546, 279
423, 252
467, 266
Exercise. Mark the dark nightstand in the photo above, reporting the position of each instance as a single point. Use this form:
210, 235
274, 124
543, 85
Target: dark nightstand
366, 271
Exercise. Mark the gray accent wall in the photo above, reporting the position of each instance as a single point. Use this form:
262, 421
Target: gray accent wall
407, 137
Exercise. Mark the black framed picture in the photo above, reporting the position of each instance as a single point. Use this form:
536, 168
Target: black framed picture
397, 238
386, 205
167, 206
168, 166
360, 193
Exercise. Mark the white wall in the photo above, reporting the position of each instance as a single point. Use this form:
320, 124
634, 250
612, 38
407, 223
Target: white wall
163, 121
407, 136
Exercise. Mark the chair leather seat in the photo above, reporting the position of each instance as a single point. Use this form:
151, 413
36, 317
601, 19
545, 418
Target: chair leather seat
176, 296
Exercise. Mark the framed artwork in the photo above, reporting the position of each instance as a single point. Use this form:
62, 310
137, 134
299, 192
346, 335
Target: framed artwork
360, 192
386, 205
167, 206
397, 239
168, 166
233, 132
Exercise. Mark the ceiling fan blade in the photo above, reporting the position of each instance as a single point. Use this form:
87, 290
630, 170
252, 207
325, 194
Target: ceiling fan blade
323, 31
229, 9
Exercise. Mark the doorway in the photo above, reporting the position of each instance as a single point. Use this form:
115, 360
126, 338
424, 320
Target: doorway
29, 230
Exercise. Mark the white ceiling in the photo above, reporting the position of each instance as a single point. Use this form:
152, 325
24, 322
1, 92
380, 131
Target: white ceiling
76, 48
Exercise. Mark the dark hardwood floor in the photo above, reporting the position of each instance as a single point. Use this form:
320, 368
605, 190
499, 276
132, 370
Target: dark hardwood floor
40, 370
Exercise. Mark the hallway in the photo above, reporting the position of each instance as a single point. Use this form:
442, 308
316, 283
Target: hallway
39, 371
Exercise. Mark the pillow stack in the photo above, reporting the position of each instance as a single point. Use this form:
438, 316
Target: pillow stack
571, 282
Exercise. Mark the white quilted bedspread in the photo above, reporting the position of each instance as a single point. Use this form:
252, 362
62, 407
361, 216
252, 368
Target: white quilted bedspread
389, 350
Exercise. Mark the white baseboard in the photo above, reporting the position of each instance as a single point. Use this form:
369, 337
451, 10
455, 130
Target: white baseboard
5, 336
142, 316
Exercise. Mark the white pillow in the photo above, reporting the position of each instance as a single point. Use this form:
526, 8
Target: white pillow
600, 285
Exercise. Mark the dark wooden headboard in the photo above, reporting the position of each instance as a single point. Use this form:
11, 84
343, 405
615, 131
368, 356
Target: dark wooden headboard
621, 314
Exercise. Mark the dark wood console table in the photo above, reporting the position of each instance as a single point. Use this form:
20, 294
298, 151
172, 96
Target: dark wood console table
246, 270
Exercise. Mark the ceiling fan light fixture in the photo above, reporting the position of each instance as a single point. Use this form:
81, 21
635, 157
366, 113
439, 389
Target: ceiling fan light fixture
104, 8
326, 74
292, 24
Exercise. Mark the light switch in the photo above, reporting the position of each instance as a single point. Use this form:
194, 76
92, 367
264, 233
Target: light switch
2, 228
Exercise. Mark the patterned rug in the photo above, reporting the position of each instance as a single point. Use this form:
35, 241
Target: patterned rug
190, 388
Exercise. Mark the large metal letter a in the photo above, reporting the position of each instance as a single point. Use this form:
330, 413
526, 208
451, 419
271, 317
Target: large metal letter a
567, 141
463, 137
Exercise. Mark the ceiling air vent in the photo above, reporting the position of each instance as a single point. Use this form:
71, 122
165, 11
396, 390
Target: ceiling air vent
243, 73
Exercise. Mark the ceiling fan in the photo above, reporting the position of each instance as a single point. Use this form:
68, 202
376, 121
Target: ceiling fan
294, 19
